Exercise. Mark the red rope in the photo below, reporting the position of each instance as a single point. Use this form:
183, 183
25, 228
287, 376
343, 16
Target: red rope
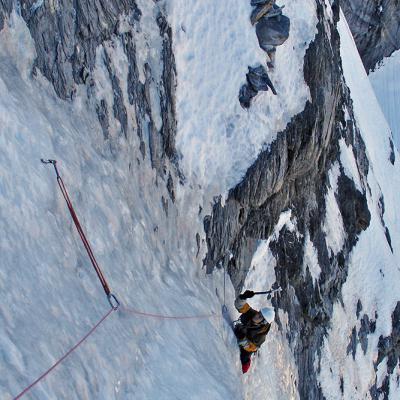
126, 309
82, 235
160, 316
71, 350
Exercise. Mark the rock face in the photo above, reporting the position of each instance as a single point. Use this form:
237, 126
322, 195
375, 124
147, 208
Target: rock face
68, 36
272, 31
5, 10
367, 327
389, 347
375, 27
293, 174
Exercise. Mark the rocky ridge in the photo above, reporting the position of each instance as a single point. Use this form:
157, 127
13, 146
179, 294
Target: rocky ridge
293, 174
389, 349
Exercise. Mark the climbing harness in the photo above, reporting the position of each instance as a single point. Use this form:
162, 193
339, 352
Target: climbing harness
112, 299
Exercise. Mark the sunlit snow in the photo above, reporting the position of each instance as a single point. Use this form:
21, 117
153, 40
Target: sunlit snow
214, 45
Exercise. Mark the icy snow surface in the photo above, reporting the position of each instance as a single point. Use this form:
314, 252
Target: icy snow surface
214, 44
374, 274
386, 83
349, 164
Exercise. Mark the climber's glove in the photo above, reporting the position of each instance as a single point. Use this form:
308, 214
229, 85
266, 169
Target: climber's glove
246, 295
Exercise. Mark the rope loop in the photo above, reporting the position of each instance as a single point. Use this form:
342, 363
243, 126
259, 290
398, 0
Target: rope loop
114, 303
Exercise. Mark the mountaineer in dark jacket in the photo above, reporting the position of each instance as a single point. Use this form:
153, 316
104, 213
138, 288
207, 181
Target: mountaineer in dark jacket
252, 328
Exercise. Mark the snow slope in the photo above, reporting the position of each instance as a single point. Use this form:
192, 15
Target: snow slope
50, 294
386, 84
374, 274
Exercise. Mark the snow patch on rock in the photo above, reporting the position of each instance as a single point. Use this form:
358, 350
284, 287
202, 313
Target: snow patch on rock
213, 46
333, 224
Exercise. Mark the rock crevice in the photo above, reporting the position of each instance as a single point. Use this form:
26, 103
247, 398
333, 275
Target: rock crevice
69, 38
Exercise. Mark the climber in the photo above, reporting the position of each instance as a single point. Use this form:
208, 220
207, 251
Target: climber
272, 27
251, 328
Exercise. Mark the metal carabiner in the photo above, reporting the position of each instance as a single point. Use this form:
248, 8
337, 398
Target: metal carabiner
52, 162
48, 161
114, 303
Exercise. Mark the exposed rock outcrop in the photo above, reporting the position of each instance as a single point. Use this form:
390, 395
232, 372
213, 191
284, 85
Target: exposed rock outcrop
367, 326
389, 350
375, 27
293, 174
257, 80
67, 34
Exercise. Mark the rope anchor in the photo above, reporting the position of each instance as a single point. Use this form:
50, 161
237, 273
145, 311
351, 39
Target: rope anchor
114, 303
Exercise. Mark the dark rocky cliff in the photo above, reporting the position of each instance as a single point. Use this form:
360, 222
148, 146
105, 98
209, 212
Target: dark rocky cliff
5, 10
375, 27
293, 174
